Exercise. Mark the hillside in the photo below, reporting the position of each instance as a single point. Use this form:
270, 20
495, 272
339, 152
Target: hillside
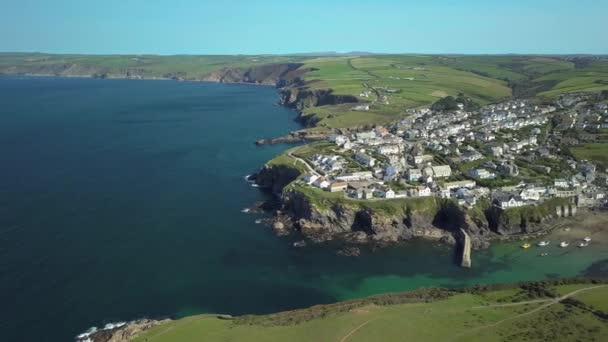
531, 311
327, 88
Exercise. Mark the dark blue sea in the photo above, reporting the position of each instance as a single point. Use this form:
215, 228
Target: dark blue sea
122, 199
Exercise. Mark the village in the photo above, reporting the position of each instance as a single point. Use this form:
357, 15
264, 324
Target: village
509, 154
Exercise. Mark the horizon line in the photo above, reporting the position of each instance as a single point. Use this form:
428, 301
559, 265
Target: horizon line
313, 53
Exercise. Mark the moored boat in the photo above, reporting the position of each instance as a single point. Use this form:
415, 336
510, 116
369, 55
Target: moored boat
587, 239
564, 244
525, 246
299, 243
583, 244
543, 243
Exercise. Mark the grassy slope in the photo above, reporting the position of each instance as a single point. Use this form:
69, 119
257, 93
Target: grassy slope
455, 318
595, 152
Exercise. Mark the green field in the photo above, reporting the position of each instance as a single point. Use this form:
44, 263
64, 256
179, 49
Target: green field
513, 314
403, 81
422, 80
595, 152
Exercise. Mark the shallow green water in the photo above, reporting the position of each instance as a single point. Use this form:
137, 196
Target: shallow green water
121, 199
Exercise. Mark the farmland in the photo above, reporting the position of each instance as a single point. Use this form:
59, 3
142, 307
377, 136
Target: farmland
389, 84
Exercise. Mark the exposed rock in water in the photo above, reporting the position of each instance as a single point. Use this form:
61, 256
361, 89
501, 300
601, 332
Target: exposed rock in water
349, 251
123, 333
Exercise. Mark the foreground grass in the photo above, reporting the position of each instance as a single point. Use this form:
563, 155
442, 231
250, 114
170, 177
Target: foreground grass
459, 317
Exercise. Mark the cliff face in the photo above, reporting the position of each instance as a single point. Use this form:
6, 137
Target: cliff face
351, 222
299, 98
268, 74
523, 220
360, 222
271, 74
276, 177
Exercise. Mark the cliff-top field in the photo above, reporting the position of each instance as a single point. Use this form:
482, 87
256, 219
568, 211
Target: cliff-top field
389, 84
533, 312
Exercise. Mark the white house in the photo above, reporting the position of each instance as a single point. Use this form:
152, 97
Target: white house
424, 191
321, 183
532, 194
425, 158
442, 171
388, 149
389, 194
560, 183
482, 174
355, 176
460, 184
507, 201
310, 178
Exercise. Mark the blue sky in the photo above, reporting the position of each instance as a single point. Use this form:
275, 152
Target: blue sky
254, 27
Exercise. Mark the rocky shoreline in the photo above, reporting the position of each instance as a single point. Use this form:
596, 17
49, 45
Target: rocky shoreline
295, 137
352, 223
119, 332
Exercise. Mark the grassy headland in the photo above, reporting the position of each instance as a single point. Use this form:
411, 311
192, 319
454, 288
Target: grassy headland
536, 311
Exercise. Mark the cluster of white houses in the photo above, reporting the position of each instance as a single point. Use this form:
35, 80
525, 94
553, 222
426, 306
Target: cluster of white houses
413, 159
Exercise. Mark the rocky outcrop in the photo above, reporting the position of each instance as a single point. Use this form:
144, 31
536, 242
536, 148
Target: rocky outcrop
269, 74
300, 97
294, 137
276, 177
123, 333
523, 220
357, 224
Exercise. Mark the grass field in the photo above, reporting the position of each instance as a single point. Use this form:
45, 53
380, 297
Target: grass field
403, 81
596, 152
489, 316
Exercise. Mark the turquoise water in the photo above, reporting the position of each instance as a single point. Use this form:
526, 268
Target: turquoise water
122, 199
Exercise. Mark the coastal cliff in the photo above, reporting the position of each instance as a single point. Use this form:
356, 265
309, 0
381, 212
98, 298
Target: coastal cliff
299, 98
379, 222
275, 177
321, 216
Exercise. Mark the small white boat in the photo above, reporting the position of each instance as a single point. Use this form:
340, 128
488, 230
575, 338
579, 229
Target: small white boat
543, 243
258, 221
583, 244
564, 244
246, 210
299, 243
587, 239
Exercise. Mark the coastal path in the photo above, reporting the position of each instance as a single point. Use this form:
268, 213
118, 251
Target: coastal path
308, 167
551, 302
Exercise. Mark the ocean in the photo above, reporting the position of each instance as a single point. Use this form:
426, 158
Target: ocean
122, 199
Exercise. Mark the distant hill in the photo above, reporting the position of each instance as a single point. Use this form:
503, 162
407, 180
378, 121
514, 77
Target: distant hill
324, 85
